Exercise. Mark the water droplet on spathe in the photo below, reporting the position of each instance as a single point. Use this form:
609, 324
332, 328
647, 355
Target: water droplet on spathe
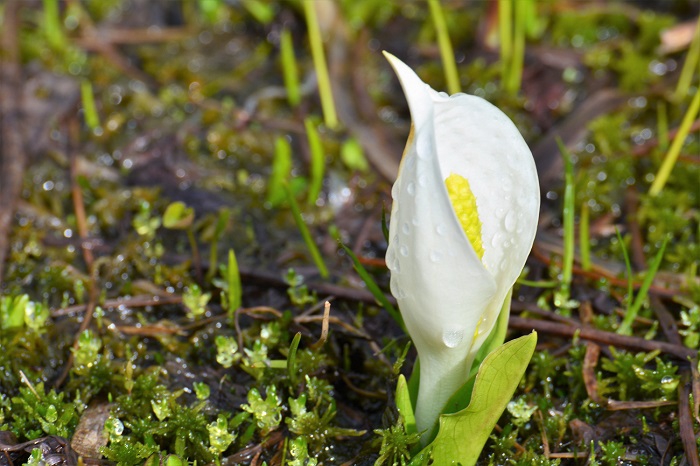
441, 229
452, 338
435, 256
405, 228
496, 240
411, 188
403, 250
510, 221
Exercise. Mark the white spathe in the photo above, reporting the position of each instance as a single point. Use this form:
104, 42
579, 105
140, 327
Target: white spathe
449, 298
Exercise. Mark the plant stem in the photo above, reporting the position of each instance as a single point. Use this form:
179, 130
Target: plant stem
324, 83
675, 149
446, 52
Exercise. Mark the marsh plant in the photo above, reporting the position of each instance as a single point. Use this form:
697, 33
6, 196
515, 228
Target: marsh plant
463, 220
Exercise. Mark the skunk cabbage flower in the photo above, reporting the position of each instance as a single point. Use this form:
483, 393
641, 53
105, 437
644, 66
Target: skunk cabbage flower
463, 220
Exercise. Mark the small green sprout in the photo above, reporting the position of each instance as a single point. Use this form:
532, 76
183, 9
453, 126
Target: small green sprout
87, 353
12, 311
201, 390
144, 223
267, 411
396, 445
298, 292
220, 438
37, 413
161, 408
521, 411
299, 450
226, 351
195, 301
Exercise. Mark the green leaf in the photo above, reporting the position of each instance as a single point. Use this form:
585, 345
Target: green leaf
352, 156
281, 170
403, 404
372, 285
233, 278
496, 381
178, 216
317, 161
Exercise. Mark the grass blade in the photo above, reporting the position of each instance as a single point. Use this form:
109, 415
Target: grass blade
569, 199
630, 290
290, 71
281, 170
633, 310
324, 82
317, 161
235, 291
306, 234
446, 52
92, 120
584, 238
675, 149
505, 36
372, 285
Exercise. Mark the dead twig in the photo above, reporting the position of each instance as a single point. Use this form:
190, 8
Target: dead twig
685, 423
603, 337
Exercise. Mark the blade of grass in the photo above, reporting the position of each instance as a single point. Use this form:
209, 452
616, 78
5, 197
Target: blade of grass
52, 25
630, 289
632, 310
235, 292
515, 70
662, 124
690, 67
569, 199
92, 120
292, 360
324, 83
385, 228
281, 170
449, 65
317, 162
372, 285
675, 149
221, 223
584, 238
505, 35
306, 234
290, 71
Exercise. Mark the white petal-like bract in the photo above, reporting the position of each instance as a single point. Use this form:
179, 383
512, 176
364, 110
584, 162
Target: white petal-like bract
449, 296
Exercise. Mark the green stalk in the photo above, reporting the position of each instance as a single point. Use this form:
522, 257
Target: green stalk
281, 169
317, 161
662, 124
446, 52
372, 285
306, 234
630, 287
584, 238
675, 150
633, 310
505, 36
324, 83
221, 223
290, 71
52, 24
569, 198
689, 67
92, 120
515, 70
235, 290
